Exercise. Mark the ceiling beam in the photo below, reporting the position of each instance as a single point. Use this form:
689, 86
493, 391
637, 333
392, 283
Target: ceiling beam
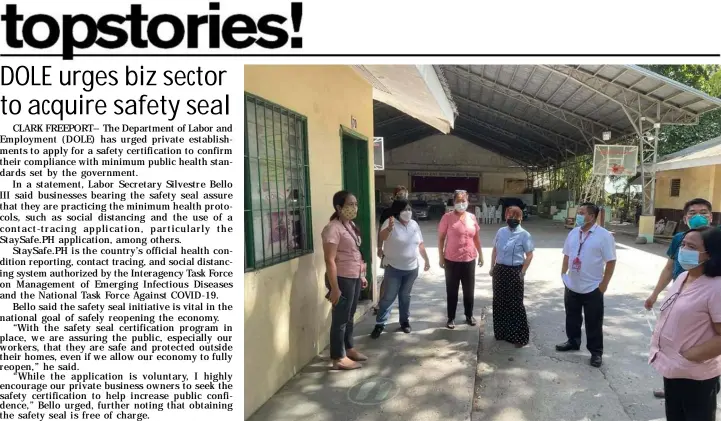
554, 147
584, 124
390, 121
601, 85
505, 151
394, 142
418, 128
541, 131
513, 146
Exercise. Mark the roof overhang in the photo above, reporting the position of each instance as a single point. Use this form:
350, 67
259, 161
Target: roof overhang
545, 115
688, 163
416, 90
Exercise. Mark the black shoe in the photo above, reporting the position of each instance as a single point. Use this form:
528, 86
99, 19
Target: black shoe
377, 331
406, 327
471, 321
567, 346
451, 324
659, 393
596, 361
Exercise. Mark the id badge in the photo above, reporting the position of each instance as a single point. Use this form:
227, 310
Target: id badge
576, 266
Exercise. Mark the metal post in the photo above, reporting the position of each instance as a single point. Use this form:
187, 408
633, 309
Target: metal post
649, 158
657, 134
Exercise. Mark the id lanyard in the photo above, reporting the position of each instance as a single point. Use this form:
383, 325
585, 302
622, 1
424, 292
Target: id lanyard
356, 240
581, 242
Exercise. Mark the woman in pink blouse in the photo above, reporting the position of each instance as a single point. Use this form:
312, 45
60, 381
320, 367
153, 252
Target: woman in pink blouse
459, 244
345, 278
686, 344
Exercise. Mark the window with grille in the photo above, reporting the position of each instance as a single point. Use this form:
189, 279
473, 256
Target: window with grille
277, 192
675, 187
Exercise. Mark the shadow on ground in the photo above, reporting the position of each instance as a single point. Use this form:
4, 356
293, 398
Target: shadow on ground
431, 374
426, 375
538, 383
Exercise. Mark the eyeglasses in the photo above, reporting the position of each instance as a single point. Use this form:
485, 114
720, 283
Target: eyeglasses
670, 300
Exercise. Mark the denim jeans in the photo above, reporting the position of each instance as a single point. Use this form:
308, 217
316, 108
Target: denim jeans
398, 283
341, 328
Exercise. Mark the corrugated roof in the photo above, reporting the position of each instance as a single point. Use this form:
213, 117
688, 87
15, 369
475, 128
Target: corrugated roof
545, 114
706, 153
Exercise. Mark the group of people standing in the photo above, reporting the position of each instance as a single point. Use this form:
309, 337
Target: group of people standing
686, 342
399, 242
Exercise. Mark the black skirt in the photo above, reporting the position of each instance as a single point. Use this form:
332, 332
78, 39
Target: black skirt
510, 322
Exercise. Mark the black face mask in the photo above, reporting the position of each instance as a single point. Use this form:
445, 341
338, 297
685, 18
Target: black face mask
513, 223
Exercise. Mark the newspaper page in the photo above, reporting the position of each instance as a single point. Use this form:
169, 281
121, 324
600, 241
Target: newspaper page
120, 239
167, 165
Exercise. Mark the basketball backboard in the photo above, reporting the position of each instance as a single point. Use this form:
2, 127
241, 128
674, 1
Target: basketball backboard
615, 160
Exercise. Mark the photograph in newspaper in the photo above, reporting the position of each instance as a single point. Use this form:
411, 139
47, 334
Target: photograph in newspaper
454, 211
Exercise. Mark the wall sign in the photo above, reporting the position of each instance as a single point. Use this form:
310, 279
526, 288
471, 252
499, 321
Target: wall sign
443, 174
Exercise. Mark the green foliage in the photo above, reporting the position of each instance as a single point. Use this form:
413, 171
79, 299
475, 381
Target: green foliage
715, 84
681, 137
575, 174
695, 75
704, 77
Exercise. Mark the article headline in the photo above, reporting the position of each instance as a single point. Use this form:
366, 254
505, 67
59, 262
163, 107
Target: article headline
114, 31
89, 80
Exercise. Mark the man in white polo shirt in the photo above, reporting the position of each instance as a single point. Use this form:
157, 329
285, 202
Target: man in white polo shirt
589, 258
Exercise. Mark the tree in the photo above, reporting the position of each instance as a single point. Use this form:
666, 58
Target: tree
715, 84
706, 78
695, 75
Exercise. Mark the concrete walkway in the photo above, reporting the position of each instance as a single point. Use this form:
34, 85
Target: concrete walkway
437, 374
537, 383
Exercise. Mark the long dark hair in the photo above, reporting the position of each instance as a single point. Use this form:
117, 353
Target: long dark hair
339, 201
711, 237
398, 206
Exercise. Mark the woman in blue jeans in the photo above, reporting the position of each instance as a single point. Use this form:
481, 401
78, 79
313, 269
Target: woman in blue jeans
403, 240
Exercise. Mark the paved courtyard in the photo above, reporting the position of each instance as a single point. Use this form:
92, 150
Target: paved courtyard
437, 374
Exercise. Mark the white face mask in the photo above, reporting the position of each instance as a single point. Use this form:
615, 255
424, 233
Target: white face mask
461, 206
406, 216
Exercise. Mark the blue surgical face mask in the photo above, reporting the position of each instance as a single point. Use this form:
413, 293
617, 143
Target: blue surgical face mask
697, 221
580, 220
688, 259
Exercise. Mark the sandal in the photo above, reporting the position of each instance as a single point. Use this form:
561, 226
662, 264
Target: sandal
356, 356
345, 366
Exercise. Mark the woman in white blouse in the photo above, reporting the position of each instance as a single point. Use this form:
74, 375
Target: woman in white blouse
402, 241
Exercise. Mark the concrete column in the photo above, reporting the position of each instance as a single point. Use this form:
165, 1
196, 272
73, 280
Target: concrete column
570, 209
647, 227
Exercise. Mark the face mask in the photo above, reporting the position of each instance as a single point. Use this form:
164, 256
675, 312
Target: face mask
349, 212
697, 221
688, 259
513, 223
460, 207
406, 216
580, 220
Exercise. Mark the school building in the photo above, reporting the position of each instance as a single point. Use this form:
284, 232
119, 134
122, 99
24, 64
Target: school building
309, 133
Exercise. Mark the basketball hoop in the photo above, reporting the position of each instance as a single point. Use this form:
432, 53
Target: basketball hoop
615, 160
616, 169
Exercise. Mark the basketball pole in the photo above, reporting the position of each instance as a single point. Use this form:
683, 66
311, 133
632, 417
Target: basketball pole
648, 150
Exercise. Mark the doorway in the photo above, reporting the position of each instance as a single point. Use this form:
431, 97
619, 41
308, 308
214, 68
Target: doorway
356, 179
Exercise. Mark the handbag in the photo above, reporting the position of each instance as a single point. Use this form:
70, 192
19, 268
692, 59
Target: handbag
384, 264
